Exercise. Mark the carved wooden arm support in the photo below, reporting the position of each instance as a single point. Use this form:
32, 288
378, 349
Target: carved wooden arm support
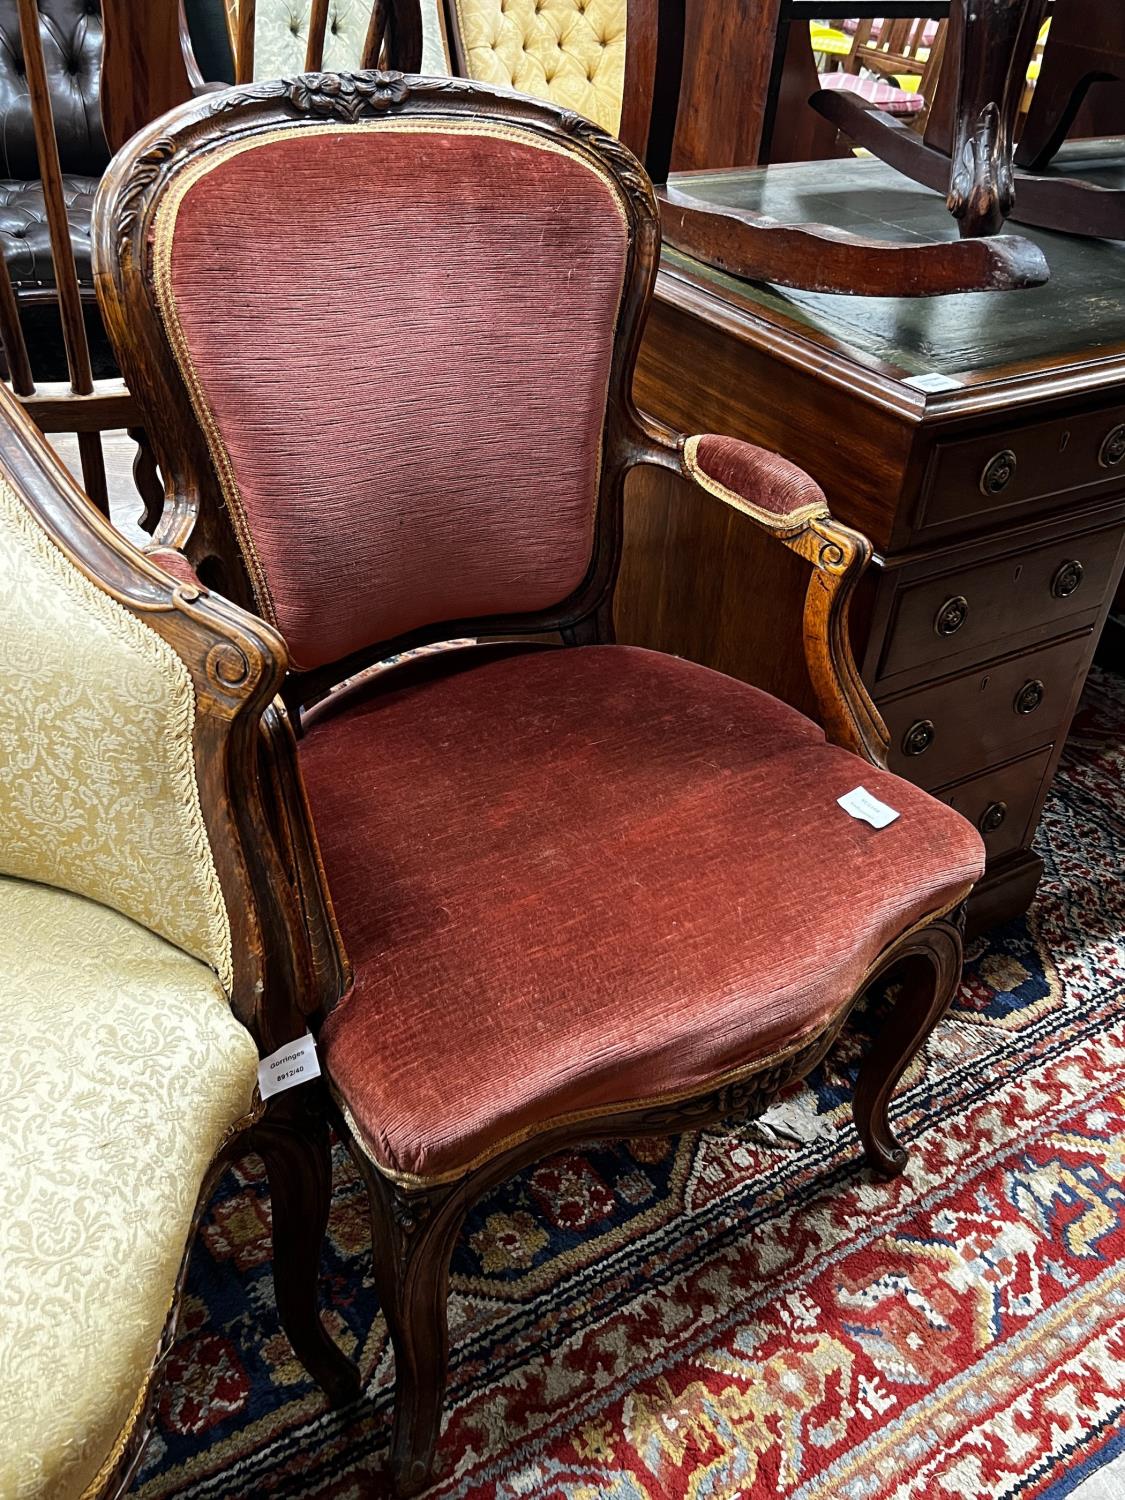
785, 503
290, 823
295, 831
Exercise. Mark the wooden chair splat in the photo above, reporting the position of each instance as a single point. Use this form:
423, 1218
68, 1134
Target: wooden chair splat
393, 37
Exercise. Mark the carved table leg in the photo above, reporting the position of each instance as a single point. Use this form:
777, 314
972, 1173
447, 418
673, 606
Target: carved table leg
929, 973
292, 1140
1086, 46
412, 1240
996, 38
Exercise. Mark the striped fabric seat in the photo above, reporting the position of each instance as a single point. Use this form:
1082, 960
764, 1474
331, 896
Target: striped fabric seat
882, 94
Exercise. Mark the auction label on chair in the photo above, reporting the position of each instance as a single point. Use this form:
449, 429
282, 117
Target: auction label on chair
290, 1065
862, 805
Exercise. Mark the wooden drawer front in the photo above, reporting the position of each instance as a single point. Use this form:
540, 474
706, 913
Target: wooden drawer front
1000, 803
974, 607
982, 475
959, 727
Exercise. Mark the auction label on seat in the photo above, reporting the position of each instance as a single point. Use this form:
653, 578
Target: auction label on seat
861, 804
290, 1065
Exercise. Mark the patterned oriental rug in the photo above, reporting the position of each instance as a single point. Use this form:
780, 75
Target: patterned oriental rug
720, 1315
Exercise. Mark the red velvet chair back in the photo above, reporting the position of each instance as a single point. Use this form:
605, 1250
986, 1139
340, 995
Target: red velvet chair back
400, 335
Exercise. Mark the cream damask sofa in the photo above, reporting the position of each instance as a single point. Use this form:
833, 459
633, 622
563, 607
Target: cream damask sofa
132, 1003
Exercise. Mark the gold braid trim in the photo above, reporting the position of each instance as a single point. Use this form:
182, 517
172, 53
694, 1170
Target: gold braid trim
94, 1489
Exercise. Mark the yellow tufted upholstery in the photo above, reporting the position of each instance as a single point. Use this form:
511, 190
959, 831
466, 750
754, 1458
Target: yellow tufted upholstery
97, 790
121, 1069
281, 34
571, 52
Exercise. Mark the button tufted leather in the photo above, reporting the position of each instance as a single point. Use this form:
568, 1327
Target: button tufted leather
571, 52
26, 244
72, 52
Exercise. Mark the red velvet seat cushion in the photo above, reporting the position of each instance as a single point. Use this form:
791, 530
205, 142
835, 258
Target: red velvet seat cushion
569, 880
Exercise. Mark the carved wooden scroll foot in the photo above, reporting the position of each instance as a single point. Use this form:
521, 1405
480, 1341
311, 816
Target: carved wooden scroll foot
995, 40
821, 258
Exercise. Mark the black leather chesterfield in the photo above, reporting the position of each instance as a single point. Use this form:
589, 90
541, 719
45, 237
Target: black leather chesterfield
72, 48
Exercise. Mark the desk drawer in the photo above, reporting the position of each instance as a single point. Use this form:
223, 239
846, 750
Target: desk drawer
958, 727
1023, 466
976, 606
1000, 803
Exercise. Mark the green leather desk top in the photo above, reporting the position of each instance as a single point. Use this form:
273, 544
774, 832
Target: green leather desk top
1079, 315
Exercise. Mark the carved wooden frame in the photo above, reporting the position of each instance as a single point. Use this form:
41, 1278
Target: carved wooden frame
236, 663
415, 1222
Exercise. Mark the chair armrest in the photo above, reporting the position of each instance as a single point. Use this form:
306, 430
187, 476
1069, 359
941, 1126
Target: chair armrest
783, 501
762, 485
187, 817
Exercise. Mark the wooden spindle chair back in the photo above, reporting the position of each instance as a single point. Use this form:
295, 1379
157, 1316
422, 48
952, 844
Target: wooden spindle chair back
901, 48
393, 38
144, 72
45, 408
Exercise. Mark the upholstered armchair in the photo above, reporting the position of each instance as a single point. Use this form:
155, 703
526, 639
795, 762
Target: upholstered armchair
139, 977
571, 52
553, 889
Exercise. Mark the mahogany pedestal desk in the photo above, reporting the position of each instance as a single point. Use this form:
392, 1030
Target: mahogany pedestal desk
979, 441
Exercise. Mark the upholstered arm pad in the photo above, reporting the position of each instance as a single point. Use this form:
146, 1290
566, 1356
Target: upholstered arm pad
764, 485
174, 562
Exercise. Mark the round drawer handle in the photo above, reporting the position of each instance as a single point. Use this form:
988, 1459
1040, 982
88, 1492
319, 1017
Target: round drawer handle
998, 472
992, 817
1029, 697
1113, 448
951, 616
1067, 579
918, 738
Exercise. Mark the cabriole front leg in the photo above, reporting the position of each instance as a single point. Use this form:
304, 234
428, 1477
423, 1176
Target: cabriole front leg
413, 1233
928, 971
